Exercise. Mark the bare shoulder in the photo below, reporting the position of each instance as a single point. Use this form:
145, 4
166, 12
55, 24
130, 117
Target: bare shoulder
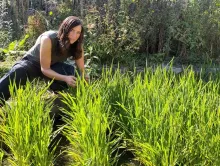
45, 41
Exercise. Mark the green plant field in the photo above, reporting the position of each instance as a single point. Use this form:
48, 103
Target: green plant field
160, 117
26, 128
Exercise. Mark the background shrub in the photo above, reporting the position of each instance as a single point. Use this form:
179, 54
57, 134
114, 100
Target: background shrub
118, 28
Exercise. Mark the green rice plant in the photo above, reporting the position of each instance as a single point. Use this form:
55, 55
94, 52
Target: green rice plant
90, 127
27, 127
114, 87
1, 156
166, 117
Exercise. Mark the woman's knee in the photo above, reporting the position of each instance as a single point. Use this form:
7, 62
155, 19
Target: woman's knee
17, 75
63, 68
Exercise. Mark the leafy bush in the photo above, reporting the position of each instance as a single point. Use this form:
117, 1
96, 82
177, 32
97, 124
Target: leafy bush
110, 33
5, 26
116, 28
187, 30
63, 10
57, 12
14, 48
36, 25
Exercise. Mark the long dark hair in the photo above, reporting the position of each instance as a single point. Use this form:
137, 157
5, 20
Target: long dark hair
74, 49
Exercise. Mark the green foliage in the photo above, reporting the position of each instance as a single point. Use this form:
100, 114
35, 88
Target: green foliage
26, 127
36, 25
59, 13
5, 26
16, 45
112, 34
178, 29
157, 57
5, 67
5, 37
1, 156
89, 128
15, 48
92, 64
166, 28
22, 42
167, 119
63, 10
162, 118
116, 28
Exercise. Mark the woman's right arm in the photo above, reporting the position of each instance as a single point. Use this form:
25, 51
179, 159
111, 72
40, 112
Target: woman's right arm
45, 62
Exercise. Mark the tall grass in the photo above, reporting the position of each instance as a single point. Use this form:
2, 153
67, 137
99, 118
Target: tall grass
90, 127
162, 118
169, 119
27, 128
1, 156
166, 117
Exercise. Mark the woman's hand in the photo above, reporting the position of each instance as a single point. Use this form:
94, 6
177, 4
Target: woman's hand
71, 81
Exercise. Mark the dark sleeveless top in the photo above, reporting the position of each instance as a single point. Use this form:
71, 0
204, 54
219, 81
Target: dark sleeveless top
34, 53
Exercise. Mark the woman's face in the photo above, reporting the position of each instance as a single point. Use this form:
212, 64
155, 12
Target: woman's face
74, 34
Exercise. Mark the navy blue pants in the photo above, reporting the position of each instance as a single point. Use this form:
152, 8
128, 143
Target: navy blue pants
26, 70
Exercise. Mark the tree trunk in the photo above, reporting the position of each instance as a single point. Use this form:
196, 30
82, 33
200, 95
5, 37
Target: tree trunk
184, 3
14, 17
81, 8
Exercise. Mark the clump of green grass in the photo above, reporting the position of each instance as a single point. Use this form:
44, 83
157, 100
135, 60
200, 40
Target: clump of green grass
171, 119
27, 127
4, 68
1, 156
162, 118
166, 117
89, 127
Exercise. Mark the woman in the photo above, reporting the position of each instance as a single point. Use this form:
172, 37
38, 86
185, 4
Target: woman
45, 59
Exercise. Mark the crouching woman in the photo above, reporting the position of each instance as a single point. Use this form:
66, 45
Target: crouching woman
46, 59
